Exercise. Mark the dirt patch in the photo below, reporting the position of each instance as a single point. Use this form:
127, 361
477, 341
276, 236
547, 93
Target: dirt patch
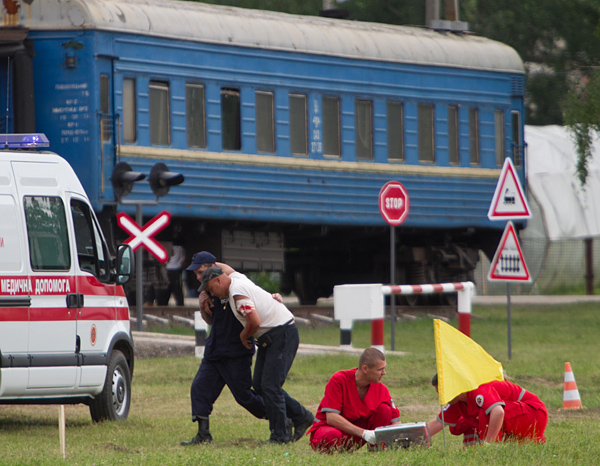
117, 448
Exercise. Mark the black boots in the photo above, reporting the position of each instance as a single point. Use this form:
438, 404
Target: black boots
203, 435
300, 429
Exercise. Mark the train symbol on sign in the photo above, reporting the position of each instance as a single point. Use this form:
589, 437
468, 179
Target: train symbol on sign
509, 198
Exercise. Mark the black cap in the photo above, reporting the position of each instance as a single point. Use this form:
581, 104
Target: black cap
201, 258
208, 275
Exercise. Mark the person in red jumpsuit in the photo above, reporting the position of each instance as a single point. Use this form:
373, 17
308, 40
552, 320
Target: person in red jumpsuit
495, 411
355, 403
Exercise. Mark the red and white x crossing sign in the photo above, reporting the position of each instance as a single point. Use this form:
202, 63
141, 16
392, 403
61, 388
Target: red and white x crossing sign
143, 236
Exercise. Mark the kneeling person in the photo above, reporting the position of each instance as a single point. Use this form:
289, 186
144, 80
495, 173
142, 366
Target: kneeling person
355, 403
498, 411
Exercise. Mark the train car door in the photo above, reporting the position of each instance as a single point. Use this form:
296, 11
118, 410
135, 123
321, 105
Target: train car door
108, 125
16, 80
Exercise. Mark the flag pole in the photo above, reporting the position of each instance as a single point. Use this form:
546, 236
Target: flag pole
508, 320
443, 426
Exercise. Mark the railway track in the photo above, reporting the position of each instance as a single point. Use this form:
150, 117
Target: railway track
308, 312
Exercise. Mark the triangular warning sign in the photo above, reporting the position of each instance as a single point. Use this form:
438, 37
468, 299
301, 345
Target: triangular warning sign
508, 263
509, 200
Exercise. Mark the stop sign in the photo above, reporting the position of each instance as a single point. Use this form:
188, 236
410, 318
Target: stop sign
393, 203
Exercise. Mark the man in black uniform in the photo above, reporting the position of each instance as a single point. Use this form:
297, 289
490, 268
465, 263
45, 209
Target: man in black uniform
226, 361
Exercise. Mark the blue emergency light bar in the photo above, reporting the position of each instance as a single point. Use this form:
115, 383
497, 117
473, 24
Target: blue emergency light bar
23, 141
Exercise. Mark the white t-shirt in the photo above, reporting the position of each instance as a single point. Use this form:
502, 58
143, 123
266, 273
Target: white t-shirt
177, 259
271, 312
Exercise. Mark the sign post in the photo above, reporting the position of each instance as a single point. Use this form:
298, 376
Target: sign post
508, 265
394, 206
143, 236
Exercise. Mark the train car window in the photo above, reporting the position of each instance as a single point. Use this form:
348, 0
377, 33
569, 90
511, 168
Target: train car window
298, 124
426, 134
105, 120
453, 153
160, 114
331, 126
474, 136
265, 122
195, 114
47, 233
499, 136
231, 127
516, 138
129, 110
363, 125
395, 131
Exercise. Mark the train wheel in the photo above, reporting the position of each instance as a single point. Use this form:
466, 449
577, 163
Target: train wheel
411, 300
307, 294
448, 299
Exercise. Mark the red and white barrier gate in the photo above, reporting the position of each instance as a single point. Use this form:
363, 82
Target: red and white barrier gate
366, 302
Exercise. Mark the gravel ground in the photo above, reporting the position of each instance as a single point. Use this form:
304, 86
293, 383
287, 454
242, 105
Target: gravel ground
157, 345
154, 345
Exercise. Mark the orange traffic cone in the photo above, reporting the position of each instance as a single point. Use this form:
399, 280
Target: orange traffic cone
571, 398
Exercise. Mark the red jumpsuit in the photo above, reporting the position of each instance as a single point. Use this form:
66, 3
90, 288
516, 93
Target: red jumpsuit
455, 419
376, 409
525, 415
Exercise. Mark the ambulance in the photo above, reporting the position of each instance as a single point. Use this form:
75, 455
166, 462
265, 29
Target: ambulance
65, 335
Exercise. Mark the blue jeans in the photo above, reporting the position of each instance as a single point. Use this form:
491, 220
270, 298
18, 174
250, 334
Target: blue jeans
270, 371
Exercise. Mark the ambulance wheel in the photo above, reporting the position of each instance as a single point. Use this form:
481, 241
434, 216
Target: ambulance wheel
114, 401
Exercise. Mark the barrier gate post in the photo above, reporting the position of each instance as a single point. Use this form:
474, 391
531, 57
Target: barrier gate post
365, 302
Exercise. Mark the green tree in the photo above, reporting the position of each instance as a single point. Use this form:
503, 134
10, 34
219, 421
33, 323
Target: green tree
556, 40
582, 116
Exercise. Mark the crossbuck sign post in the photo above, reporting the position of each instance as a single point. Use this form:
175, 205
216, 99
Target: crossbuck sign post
143, 236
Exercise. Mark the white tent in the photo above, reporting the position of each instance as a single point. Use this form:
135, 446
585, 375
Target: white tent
569, 211
563, 215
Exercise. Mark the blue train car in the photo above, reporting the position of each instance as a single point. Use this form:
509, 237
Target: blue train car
285, 128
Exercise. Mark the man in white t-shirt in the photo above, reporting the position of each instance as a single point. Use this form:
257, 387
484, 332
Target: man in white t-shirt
277, 336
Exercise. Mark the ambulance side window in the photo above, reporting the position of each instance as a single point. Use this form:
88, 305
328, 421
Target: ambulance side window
91, 252
47, 233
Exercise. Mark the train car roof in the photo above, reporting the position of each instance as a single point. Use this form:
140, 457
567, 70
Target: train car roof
185, 20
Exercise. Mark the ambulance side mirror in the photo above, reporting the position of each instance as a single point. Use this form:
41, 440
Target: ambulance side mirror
124, 265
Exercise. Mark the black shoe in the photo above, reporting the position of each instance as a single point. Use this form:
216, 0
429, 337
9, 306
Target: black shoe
203, 435
198, 439
301, 428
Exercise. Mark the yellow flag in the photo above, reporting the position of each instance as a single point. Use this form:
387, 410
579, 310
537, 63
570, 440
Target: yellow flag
462, 365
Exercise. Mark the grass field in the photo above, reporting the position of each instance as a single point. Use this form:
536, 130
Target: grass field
543, 339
